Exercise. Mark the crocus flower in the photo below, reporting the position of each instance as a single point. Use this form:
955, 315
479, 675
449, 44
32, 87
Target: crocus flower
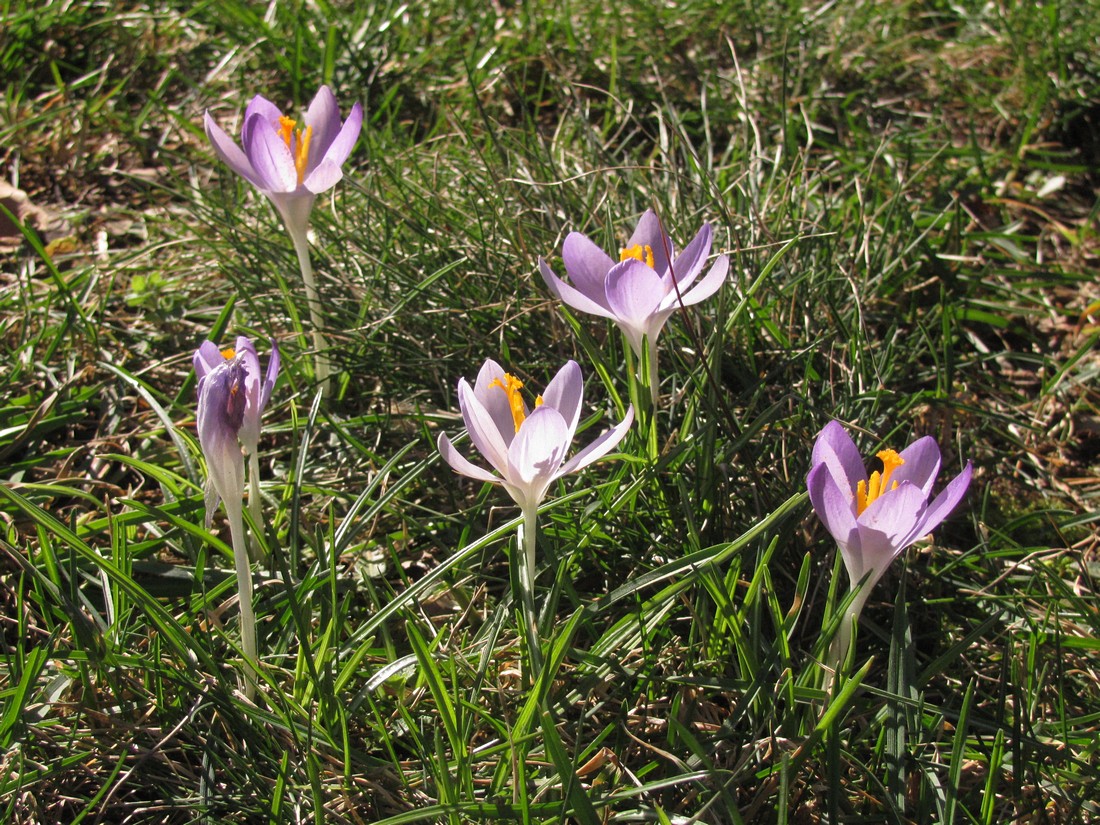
526, 447
640, 290
232, 397
874, 518
290, 163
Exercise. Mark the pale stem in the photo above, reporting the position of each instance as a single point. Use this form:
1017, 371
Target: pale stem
842, 641
527, 574
244, 597
301, 247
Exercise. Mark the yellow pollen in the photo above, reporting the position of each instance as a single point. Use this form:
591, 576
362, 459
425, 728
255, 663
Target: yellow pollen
879, 483
297, 143
511, 386
229, 353
639, 253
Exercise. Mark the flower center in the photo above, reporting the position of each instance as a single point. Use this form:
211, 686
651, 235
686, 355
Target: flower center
229, 353
638, 253
879, 483
297, 143
511, 386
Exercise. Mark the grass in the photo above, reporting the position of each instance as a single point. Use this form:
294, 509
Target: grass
907, 196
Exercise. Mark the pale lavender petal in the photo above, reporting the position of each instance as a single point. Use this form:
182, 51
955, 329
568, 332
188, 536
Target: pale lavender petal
570, 296
538, 451
263, 109
273, 364
586, 265
270, 157
230, 153
482, 428
494, 399
710, 284
460, 464
833, 506
206, 358
600, 447
344, 141
323, 116
564, 393
894, 516
945, 502
922, 463
835, 449
649, 233
689, 263
250, 424
634, 293
323, 177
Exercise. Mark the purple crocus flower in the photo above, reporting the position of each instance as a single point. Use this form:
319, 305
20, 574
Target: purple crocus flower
290, 163
874, 518
640, 290
232, 397
526, 447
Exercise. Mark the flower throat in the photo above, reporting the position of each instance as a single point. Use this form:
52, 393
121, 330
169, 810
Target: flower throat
297, 143
879, 483
511, 386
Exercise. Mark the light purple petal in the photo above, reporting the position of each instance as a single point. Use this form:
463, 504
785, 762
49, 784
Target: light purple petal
565, 393
570, 296
649, 233
482, 428
945, 502
835, 449
263, 109
634, 293
230, 153
338, 151
600, 447
537, 452
270, 157
273, 364
460, 464
323, 116
887, 526
323, 177
494, 399
206, 358
833, 506
710, 284
587, 266
922, 463
689, 263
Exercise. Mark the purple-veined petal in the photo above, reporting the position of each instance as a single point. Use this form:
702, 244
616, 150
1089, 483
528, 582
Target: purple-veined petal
323, 177
482, 428
600, 447
564, 393
586, 265
460, 464
537, 451
262, 108
230, 153
571, 296
206, 358
634, 293
323, 117
835, 449
689, 263
710, 284
833, 506
943, 504
344, 141
270, 157
922, 463
495, 399
649, 233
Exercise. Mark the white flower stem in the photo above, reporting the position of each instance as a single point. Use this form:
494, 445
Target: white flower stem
528, 536
244, 597
842, 641
301, 247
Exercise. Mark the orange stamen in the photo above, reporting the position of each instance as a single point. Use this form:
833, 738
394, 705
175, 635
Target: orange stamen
511, 386
229, 353
878, 483
638, 253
